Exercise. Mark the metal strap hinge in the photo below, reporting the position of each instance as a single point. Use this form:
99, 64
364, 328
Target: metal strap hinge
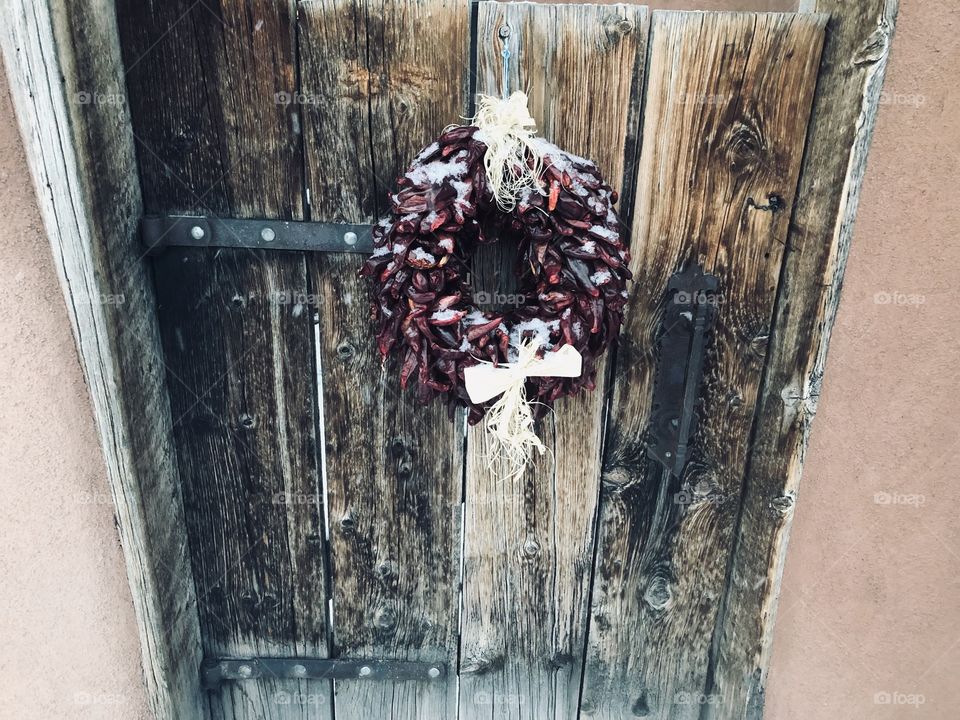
218, 670
162, 231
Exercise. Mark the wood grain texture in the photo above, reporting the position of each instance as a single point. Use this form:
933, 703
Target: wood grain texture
529, 540
382, 80
844, 110
244, 424
727, 102
213, 100
66, 81
209, 85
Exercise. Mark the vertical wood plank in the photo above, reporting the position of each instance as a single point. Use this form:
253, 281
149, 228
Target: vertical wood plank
529, 541
67, 84
239, 353
848, 93
381, 80
727, 103
211, 89
209, 85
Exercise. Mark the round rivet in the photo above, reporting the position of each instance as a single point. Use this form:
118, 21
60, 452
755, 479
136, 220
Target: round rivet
197, 233
350, 238
299, 670
365, 671
434, 672
245, 671
268, 234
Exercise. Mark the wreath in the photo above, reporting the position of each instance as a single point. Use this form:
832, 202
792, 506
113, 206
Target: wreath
486, 182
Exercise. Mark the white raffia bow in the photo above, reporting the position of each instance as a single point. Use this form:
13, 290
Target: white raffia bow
510, 420
512, 161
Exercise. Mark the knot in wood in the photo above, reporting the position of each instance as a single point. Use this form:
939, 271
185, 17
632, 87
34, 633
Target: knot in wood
658, 593
385, 618
250, 604
617, 476
405, 469
875, 48
345, 351
387, 570
482, 662
531, 548
398, 448
269, 603
247, 422
641, 707
745, 146
616, 27
783, 503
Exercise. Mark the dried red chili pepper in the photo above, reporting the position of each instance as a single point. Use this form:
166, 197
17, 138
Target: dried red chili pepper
574, 269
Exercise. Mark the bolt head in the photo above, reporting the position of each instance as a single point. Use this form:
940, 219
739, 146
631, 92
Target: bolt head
350, 238
434, 672
365, 671
197, 233
299, 670
268, 234
245, 671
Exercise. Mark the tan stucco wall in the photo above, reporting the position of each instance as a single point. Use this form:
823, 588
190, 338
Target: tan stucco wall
69, 639
870, 604
870, 608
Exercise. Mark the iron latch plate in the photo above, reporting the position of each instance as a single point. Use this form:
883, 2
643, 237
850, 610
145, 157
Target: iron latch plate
688, 317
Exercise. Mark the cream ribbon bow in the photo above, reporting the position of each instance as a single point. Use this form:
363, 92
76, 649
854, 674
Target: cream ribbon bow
484, 381
509, 421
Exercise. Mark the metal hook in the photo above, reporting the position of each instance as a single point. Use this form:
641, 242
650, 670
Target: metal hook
504, 33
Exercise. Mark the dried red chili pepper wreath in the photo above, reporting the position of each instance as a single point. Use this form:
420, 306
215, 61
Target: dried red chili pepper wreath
573, 264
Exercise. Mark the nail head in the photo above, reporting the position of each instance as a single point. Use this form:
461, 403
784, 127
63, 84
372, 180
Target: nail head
268, 234
196, 232
350, 238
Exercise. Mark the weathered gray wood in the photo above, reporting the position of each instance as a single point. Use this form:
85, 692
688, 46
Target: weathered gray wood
380, 81
209, 86
213, 101
727, 102
529, 540
238, 340
844, 110
66, 79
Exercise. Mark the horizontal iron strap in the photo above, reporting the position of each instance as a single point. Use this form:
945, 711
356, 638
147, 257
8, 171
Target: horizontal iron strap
216, 670
162, 231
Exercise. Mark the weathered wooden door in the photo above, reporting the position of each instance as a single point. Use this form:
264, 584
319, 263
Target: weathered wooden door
330, 516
